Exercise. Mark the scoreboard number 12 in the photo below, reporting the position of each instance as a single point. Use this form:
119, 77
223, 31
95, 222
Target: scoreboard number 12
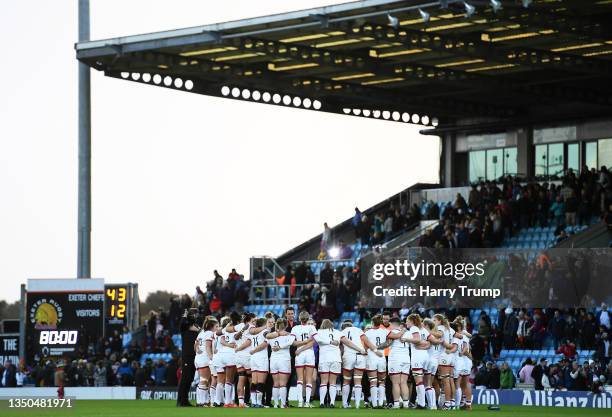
117, 297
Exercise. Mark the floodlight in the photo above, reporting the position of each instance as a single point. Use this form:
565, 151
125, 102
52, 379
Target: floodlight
527, 3
393, 21
469, 9
334, 252
496, 5
424, 15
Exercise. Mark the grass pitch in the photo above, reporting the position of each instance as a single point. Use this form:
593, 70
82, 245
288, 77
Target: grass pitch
164, 408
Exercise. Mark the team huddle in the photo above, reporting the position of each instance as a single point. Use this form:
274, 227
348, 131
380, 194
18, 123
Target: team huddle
430, 357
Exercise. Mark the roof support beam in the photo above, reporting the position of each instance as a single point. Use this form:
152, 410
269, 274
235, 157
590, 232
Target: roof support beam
380, 67
557, 20
469, 46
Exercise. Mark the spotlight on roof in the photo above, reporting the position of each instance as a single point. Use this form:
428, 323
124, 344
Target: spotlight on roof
393, 21
527, 3
469, 9
424, 15
334, 252
496, 5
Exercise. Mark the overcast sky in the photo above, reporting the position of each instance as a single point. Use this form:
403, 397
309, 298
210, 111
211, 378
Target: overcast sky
182, 183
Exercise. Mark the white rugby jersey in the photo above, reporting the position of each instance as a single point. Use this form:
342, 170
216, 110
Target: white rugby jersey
327, 351
216, 344
204, 336
399, 350
424, 333
240, 342
354, 335
376, 336
256, 340
456, 341
227, 338
434, 350
303, 332
413, 332
284, 343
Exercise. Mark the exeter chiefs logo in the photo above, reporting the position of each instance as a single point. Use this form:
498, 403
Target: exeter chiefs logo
46, 314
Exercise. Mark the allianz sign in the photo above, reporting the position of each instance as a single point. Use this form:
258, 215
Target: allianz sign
581, 399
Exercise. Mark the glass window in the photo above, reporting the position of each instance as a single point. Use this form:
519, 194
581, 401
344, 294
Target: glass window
477, 166
573, 157
495, 163
604, 154
590, 154
541, 160
510, 161
555, 159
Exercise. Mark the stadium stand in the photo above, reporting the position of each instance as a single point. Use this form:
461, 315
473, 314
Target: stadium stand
507, 341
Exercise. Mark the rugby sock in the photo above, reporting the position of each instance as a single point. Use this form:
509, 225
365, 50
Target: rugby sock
420, 390
457, 395
322, 393
357, 395
213, 394
308, 393
332, 393
253, 395
346, 391
228, 393
300, 391
219, 393
374, 395
258, 397
396, 404
283, 395
206, 396
275, 396
431, 397
462, 399
200, 395
441, 399
406, 403
382, 394
241, 400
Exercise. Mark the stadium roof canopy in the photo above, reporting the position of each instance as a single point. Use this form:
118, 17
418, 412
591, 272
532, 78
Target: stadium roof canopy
409, 61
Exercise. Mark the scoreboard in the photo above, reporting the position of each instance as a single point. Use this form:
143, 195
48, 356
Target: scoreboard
65, 317
120, 307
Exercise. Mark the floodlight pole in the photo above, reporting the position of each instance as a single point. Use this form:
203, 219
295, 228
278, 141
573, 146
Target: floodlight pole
84, 210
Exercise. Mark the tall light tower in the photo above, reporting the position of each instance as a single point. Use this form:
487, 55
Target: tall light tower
84, 210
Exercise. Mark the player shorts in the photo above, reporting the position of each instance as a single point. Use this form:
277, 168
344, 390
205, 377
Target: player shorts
399, 366
352, 361
216, 365
418, 359
201, 361
243, 362
376, 363
432, 365
280, 366
226, 359
446, 359
328, 367
259, 363
305, 359
213, 370
464, 366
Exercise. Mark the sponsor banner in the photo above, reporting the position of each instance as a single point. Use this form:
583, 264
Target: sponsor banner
9, 348
579, 399
476, 278
162, 393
